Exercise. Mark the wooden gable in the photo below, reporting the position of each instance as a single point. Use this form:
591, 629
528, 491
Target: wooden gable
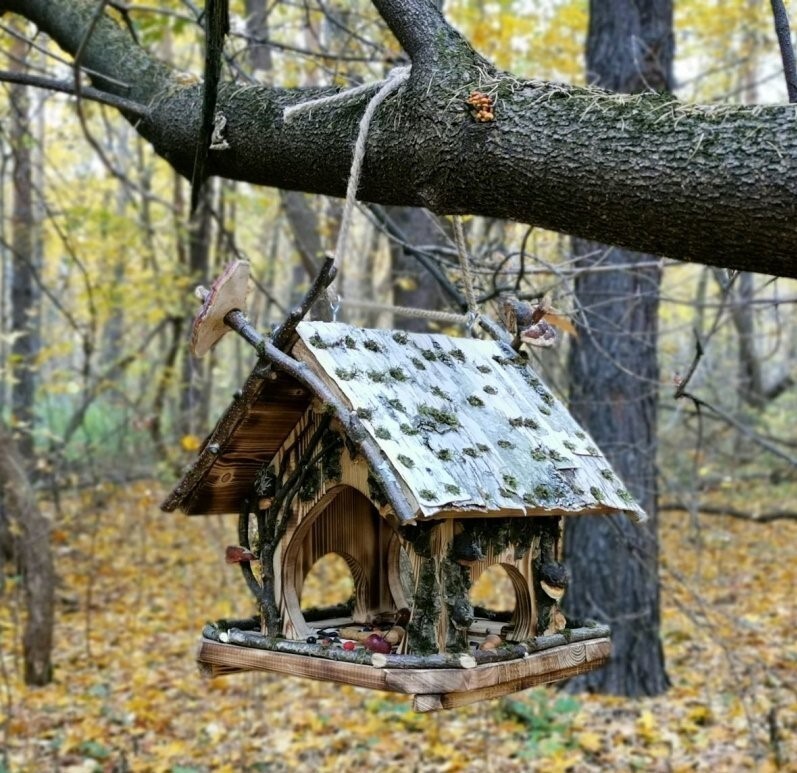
246, 437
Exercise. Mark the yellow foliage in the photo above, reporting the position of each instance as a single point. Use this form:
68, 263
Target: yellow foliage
590, 741
190, 443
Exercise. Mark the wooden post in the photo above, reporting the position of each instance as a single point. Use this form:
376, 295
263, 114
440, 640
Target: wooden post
549, 617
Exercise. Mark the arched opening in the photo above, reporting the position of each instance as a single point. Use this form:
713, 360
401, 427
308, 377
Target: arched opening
344, 526
493, 595
328, 590
502, 602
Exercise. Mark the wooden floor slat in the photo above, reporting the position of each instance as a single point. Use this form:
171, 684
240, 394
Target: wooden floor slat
434, 688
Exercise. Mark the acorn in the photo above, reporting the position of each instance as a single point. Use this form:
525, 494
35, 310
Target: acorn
395, 635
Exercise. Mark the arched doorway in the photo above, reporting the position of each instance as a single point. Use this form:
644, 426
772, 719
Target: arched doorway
328, 590
348, 527
502, 601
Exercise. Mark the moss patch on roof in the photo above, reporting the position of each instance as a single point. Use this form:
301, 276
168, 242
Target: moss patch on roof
467, 420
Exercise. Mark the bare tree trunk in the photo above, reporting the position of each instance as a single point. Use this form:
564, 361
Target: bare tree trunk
35, 557
413, 285
614, 380
7, 546
113, 333
257, 30
193, 394
24, 297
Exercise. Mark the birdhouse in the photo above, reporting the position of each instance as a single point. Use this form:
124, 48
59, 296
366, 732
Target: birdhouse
421, 460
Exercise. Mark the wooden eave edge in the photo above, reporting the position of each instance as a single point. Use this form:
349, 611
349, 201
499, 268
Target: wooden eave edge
305, 369
183, 493
399, 498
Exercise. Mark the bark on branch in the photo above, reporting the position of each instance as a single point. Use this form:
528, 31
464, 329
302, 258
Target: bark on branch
420, 28
715, 185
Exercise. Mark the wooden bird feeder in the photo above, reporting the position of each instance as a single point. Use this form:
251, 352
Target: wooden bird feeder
422, 460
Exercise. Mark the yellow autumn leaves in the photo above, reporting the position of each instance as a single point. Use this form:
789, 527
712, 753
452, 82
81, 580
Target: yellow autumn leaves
136, 586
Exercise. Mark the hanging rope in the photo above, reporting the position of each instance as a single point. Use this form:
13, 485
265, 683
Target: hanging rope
397, 77
410, 311
464, 264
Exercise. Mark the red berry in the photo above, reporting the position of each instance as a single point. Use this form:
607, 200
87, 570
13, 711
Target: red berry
375, 643
348, 645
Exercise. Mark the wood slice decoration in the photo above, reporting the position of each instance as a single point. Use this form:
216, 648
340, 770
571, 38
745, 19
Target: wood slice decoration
227, 293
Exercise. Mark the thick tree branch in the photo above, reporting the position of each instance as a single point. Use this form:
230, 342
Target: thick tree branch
420, 28
111, 49
715, 185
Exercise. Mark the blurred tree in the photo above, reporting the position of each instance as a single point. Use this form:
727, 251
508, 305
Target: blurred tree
35, 558
614, 382
24, 296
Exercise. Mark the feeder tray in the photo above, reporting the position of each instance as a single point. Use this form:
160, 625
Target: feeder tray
432, 689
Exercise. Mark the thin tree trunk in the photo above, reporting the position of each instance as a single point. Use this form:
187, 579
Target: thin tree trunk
24, 298
257, 30
7, 546
413, 285
36, 560
614, 381
199, 239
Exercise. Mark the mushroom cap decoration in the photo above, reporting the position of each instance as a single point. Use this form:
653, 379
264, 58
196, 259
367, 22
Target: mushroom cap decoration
226, 294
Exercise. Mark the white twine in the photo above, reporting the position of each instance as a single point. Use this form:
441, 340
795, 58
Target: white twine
396, 77
410, 311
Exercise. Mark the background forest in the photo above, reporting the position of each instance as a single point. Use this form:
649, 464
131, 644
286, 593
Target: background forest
98, 261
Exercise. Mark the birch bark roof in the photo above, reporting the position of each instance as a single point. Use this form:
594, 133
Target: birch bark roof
466, 425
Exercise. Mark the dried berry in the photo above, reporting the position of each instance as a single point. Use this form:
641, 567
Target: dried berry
375, 643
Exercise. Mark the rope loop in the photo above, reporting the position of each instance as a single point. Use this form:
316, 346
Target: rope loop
395, 79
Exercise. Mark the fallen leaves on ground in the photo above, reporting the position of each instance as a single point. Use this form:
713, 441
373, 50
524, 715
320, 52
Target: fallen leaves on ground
136, 586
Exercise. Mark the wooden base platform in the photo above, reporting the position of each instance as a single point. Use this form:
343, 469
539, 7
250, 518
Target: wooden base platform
434, 689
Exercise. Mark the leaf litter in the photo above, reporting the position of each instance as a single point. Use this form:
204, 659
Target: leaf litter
136, 586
